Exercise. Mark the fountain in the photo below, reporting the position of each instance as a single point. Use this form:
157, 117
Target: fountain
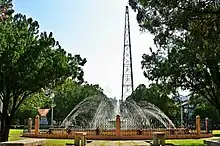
106, 118
103, 118
100, 111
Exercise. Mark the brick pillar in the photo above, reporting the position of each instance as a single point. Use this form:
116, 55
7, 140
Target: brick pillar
37, 124
207, 125
118, 125
29, 125
198, 125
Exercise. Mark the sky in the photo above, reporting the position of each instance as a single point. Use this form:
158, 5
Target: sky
95, 30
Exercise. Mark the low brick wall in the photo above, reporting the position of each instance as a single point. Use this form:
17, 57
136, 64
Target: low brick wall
58, 131
63, 131
134, 137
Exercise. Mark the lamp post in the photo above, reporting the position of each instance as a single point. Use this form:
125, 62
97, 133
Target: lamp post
52, 106
50, 94
184, 103
181, 113
181, 110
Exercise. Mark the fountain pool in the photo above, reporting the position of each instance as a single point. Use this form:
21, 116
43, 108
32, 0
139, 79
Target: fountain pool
96, 116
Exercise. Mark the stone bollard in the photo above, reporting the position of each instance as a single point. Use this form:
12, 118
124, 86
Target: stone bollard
79, 138
118, 125
198, 125
207, 125
29, 125
37, 124
158, 138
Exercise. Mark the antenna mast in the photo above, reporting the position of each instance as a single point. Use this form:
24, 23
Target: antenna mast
127, 72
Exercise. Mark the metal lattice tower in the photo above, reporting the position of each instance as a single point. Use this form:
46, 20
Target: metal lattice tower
127, 73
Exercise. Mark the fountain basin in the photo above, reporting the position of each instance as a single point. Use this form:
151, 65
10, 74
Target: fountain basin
61, 133
58, 133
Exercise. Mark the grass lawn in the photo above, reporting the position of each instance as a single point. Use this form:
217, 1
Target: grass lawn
15, 135
216, 132
187, 142
195, 142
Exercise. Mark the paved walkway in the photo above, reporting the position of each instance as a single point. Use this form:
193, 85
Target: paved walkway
125, 143
118, 143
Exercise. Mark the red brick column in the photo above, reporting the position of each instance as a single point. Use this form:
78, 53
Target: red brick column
118, 125
37, 124
198, 125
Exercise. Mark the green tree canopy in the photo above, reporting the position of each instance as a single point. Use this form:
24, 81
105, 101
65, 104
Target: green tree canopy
157, 95
6, 9
69, 94
29, 61
203, 108
187, 37
29, 108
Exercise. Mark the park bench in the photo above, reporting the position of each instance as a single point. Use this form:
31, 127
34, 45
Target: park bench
24, 142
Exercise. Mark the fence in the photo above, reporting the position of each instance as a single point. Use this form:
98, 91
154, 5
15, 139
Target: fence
109, 129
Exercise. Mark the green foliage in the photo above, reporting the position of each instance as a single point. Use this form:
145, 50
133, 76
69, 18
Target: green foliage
6, 9
204, 108
69, 94
187, 36
157, 95
30, 61
29, 108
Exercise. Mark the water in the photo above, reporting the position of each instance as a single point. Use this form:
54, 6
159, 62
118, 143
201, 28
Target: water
117, 108
100, 111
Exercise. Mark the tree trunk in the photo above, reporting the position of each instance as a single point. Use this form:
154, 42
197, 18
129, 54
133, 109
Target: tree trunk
5, 127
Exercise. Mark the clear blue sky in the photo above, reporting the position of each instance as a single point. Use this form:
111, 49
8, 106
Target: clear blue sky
94, 29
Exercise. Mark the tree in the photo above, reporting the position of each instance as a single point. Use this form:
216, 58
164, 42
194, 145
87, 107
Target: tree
29, 61
157, 95
69, 94
203, 108
5, 9
187, 37
29, 108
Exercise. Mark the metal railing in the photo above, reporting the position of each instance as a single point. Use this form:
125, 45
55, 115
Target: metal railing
106, 130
